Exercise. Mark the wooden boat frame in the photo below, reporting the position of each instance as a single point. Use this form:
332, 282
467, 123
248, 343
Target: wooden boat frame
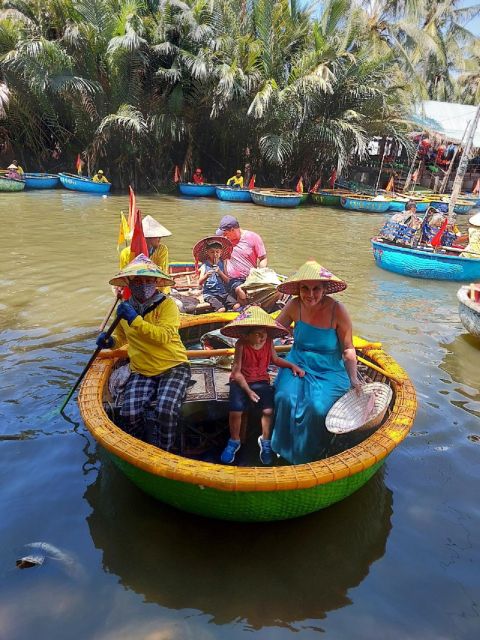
248, 493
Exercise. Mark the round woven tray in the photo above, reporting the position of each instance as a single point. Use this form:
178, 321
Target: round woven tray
354, 412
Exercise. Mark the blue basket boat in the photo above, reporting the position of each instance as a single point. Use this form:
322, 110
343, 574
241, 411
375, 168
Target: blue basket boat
79, 183
41, 180
367, 205
425, 263
229, 194
397, 205
287, 199
459, 208
197, 190
469, 311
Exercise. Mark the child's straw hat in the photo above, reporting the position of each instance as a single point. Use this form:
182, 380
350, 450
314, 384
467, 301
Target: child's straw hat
309, 271
201, 248
141, 266
253, 317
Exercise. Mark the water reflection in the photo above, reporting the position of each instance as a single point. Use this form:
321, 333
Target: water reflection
461, 363
270, 574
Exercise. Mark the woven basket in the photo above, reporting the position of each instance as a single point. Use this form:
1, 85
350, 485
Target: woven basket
359, 412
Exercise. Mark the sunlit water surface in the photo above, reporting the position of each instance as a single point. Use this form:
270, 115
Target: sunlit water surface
399, 559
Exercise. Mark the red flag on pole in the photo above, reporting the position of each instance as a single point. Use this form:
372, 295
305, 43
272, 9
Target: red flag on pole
251, 184
316, 186
176, 174
476, 188
131, 208
79, 164
138, 244
390, 184
437, 238
299, 187
333, 177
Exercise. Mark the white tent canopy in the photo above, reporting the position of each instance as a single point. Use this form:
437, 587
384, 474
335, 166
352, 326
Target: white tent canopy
446, 119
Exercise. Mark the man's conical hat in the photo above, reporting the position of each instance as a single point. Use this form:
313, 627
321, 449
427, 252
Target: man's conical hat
475, 220
311, 270
141, 266
200, 249
153, 229
253, 317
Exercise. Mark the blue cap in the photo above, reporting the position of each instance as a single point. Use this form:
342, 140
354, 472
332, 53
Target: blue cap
226, 223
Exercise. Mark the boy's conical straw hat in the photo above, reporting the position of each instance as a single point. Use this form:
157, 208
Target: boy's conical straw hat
310, 271
141, 266
200, 249
153, 229
253, 317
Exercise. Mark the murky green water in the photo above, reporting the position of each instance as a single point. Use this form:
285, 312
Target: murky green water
399, 559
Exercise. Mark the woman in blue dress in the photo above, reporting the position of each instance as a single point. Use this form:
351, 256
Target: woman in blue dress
323, 347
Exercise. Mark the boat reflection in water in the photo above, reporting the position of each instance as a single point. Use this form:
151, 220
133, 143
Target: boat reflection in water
272, 574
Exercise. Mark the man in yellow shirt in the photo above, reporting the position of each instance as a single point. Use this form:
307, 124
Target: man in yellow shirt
157, 252
236, 181
99, 177
160, 372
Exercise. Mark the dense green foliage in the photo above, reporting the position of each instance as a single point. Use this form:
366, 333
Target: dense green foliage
140, 86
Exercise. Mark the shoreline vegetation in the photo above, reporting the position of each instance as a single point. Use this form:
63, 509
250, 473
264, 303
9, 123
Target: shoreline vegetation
278, 88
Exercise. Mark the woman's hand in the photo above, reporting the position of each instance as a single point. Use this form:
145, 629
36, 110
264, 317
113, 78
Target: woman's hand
297, 371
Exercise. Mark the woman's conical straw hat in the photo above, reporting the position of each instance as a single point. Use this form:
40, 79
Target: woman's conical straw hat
253, 317
200, 249
141, 266
475, 220
310, 271
153, 229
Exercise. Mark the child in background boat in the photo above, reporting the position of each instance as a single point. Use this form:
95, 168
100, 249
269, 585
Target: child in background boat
249, 380
212, 252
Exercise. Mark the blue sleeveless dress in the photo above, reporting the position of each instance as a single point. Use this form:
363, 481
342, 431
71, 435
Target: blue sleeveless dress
301, 404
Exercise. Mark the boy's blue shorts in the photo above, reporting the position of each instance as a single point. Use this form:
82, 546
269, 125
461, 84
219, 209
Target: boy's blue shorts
239, 401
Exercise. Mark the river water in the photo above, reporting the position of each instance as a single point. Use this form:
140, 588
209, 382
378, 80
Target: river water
397, 560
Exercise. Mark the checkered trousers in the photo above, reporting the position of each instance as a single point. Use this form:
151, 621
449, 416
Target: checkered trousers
152, 405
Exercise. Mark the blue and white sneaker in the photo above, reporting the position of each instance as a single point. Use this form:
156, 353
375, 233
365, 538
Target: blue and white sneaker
266, 453
228, 454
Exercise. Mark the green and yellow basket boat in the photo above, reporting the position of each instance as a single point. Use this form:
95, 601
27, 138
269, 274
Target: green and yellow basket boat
247, 493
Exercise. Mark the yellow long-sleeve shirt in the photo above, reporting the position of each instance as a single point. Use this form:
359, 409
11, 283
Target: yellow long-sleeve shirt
154, 344
235, 181
159, 257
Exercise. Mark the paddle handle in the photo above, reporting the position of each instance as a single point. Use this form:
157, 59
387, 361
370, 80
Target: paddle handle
109, 313
89, 364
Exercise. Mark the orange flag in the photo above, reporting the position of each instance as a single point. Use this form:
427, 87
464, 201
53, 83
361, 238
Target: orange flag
316, 186
251, 184
176, 174
415, 175
138, 244
333, 177
79, 164
299, 187
131, 208
390, 184
476, 188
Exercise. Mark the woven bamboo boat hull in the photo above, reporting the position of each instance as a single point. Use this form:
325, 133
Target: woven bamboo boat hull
9, 184
416, 263
233, 195
41, 181
247, 493
469, 312
397, 205
197, 190
365, 205
326, 199
270, 199
86, 185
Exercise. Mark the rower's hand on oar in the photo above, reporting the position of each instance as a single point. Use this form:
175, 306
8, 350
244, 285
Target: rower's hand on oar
126, 312
105, 341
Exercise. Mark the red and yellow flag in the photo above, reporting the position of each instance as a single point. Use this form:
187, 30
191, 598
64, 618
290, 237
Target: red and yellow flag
79, 164
316, 186
132, 205
251, 184
476, 188
138, 244
390, 184
299, 187
123, 232
176, 174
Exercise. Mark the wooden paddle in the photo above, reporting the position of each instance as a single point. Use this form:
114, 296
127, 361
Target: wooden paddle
109, 313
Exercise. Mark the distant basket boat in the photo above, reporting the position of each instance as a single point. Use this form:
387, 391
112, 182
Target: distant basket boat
329, 197
197, 190
460, 207
469, 311
245, 493
41, 181
229, 194
424, 263
276, 198
79, 183
11, 184
366, 204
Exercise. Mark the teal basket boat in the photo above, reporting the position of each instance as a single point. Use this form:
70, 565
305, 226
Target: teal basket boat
246, 493
11, 184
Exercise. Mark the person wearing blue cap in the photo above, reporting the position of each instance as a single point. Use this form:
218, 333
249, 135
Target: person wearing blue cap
248, 252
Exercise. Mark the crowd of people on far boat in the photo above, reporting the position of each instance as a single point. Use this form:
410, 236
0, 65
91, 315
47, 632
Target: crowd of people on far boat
320, 367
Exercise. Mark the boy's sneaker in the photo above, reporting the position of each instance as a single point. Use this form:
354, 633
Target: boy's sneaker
266, 454
228, 454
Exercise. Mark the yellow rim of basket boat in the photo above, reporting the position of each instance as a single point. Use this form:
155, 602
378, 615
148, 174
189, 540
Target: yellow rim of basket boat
230, 478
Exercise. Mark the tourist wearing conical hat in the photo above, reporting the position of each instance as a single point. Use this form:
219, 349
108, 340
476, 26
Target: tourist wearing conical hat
160, 371
323, 347
212, 253
249, 380
157, 251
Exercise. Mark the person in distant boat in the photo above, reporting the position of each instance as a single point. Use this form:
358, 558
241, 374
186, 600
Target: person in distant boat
197, 177
15, 166
472, 250
248, 252
160, 372
409, 216
12, 172
323, 347
212, 253
250, 380
236, 181
154, 233
99, 177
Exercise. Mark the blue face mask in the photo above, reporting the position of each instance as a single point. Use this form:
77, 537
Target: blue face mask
143, 291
